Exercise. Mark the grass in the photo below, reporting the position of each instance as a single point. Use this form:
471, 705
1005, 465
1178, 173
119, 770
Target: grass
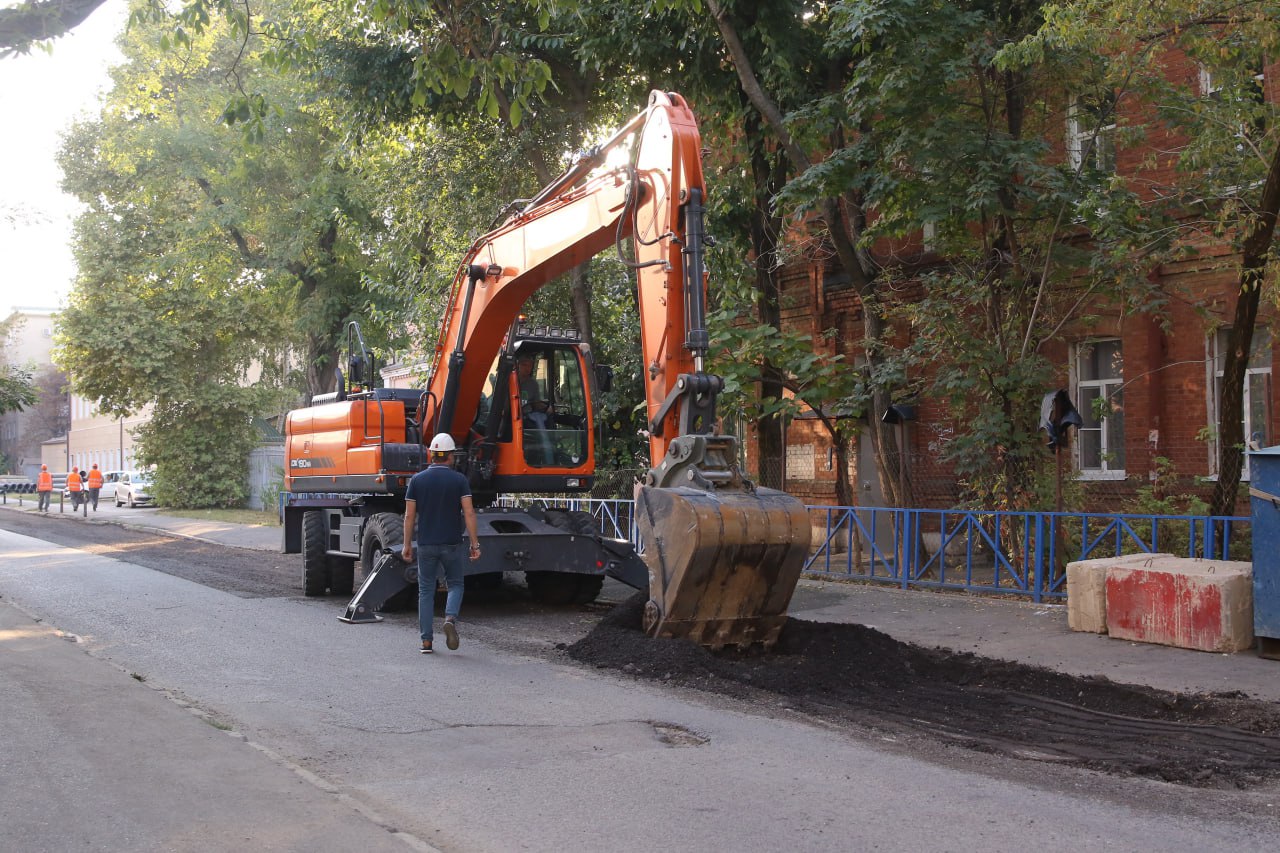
259, 517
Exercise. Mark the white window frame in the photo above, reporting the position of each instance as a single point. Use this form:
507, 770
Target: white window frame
1106, 388
1209, 88
1083, 137
1215, 397
929, 236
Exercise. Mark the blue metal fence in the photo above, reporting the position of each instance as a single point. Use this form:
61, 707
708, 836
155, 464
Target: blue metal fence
996, 552
1015, 553
1010, 553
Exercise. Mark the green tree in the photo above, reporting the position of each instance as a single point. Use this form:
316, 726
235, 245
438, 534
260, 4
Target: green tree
35, 22
217, 269
917, 124
16, 389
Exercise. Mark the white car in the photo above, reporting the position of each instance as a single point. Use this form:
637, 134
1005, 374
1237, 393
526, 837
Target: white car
110, 482
134, 489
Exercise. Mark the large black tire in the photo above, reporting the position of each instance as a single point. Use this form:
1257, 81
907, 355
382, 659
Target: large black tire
385, 531
316, 570
560, 588
589, 586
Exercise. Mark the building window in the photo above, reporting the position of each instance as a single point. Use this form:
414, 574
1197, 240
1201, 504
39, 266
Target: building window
1099, 368
1091, 130
1257, 390
929, 235
1254, 83
800, 462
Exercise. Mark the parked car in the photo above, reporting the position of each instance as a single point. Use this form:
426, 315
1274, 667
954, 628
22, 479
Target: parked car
110, 482
134, 489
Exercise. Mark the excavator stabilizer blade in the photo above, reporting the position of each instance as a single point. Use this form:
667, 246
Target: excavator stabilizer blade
722, 564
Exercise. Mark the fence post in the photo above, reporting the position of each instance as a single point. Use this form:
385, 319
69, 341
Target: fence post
905, 570
1038, 582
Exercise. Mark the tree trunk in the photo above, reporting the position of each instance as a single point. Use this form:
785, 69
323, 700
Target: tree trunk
580, 297
844, 489
1259, 234
843, 217
321, 358
769, 173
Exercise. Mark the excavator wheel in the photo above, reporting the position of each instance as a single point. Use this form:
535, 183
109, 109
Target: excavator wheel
561, 588
589, 586
316, 570
722, 564
386, 530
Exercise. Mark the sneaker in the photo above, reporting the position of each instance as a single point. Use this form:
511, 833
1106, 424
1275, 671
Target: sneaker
450, 635
426, 647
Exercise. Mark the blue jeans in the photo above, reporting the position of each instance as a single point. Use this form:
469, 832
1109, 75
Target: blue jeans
434, 561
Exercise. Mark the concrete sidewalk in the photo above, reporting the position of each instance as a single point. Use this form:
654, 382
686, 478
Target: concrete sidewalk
1009, 629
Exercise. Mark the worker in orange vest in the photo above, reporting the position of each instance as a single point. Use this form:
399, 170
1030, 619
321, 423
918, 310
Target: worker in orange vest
74, 485
44, 488
95, 485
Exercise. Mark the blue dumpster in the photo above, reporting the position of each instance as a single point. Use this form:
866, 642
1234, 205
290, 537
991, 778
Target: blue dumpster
1264, 493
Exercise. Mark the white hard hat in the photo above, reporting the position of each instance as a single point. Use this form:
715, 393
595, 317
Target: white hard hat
442, 443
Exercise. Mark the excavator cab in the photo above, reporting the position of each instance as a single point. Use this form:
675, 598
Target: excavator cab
533, 427
553, 419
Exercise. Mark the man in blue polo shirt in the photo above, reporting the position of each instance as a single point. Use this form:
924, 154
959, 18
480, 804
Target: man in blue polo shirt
436, 503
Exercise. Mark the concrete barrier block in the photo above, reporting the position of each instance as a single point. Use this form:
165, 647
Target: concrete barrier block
1087, 590
1183, 602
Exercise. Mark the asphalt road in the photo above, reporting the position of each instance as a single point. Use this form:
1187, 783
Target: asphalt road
507, 745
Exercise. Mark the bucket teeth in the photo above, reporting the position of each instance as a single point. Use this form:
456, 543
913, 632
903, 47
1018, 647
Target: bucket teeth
722, 565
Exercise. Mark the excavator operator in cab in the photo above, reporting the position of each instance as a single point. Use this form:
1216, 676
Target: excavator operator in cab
533, 408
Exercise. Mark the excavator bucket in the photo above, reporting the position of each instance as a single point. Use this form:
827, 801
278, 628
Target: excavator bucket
722, 564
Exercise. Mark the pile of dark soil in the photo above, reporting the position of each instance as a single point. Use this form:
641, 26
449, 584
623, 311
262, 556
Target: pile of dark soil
856, 674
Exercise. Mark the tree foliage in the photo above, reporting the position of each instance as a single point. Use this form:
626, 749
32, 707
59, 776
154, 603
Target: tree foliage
371, 142
16, 389
35, 22
216, 271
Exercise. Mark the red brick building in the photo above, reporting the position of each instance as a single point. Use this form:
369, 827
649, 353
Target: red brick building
1161, 373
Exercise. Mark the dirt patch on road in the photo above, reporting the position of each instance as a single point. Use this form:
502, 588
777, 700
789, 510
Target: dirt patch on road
854, 673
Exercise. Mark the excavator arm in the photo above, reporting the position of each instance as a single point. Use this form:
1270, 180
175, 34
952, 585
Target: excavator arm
723, 555
656, 198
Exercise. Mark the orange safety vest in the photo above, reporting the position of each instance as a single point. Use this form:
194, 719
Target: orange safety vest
73, 482
45, 483
95, 479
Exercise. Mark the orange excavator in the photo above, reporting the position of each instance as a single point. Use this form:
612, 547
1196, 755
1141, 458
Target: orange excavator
721, 557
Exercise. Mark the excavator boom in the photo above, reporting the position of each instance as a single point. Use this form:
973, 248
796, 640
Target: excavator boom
723, 556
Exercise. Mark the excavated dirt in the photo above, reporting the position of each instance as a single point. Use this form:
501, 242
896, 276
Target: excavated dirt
854, 674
